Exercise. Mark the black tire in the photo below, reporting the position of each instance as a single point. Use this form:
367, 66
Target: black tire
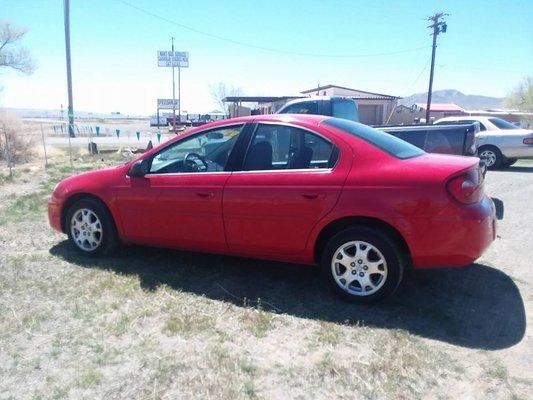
487, 151
108, 238
388, 248
509, 161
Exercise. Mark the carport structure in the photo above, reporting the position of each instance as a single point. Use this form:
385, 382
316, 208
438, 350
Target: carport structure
374, 108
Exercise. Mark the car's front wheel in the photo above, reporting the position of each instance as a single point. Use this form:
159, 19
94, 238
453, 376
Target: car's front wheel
90, 228
362, 265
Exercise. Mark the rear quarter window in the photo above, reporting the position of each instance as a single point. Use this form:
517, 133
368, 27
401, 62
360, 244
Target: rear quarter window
388, 143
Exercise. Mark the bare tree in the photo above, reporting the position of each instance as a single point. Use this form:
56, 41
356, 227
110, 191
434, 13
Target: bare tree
12, 55
521, 98
220, 91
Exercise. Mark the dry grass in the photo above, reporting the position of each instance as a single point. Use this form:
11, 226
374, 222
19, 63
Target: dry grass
14, 142
150, 323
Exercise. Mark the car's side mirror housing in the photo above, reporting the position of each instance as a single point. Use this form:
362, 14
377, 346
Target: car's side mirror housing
138, 169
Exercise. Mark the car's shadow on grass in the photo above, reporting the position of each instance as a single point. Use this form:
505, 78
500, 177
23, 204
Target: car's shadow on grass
476, 307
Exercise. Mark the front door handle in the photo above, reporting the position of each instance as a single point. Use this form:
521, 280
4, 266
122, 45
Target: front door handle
205, 195
310, 196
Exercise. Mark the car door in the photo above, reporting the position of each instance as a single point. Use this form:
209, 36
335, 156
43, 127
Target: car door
178, 203
290, 178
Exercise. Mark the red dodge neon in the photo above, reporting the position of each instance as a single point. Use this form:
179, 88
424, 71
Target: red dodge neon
311, 189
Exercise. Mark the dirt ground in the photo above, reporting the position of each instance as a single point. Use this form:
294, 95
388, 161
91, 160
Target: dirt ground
149, 323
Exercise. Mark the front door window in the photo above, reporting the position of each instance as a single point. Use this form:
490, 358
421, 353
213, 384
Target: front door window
204, 152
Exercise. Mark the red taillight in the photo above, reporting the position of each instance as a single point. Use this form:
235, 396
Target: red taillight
528, 140
466, 188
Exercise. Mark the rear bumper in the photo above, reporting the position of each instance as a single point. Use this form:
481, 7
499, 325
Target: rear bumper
456, 241
54, 214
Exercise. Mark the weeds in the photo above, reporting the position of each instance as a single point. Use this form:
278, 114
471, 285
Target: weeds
256, 320
188, 324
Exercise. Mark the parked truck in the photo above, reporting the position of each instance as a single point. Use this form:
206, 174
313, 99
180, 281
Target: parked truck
459, 139
334, 106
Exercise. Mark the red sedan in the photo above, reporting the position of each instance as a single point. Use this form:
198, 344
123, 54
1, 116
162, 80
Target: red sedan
362, 204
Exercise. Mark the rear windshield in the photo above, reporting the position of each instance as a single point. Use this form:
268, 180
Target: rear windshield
502, 124
392, 145
303, 107
344, 108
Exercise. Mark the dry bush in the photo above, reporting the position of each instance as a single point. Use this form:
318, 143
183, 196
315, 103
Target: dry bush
20, 146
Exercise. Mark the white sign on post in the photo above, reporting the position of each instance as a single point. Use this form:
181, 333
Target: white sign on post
173, 59
166, 104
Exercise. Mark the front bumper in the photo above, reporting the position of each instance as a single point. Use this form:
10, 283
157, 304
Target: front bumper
54, 214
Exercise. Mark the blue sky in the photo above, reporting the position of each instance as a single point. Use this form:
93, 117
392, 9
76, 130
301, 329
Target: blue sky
487, 50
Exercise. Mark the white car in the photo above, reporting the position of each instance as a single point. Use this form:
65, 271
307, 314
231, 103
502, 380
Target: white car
499, 142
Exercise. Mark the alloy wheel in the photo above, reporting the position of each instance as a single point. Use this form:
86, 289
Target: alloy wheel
359, 268
86, 229
489, 156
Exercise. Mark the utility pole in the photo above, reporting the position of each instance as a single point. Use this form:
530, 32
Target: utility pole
179, 89
66, 4
438, 26
173, 90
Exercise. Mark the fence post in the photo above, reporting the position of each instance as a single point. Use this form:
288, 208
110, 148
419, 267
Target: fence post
44, 147
8, 153
70, 147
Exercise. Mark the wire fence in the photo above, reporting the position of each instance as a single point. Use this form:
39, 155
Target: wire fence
45, 138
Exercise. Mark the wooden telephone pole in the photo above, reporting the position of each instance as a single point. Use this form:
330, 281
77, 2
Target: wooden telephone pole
437, 26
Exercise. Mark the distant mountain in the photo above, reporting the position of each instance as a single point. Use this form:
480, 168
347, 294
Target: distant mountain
467, 101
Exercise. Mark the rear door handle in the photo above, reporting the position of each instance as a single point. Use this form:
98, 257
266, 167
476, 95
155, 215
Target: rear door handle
205, 195
310, 196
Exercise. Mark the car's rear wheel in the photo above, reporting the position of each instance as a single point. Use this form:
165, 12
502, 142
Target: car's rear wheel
362, 265
90, 228
492, 156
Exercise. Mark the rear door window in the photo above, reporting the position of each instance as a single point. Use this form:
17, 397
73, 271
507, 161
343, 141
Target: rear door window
281, 147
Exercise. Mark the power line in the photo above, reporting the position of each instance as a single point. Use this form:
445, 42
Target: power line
257, 47
419, 75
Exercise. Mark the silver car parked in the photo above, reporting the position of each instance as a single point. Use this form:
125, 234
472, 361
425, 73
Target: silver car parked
499, 142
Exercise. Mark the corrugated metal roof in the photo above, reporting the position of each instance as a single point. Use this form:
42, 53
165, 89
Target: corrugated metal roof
372, 94
258, 99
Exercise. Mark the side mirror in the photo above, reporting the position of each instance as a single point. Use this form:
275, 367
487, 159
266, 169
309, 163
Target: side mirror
138, 169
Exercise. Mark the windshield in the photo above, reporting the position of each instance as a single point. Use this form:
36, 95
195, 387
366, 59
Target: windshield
502, 124
391, 144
